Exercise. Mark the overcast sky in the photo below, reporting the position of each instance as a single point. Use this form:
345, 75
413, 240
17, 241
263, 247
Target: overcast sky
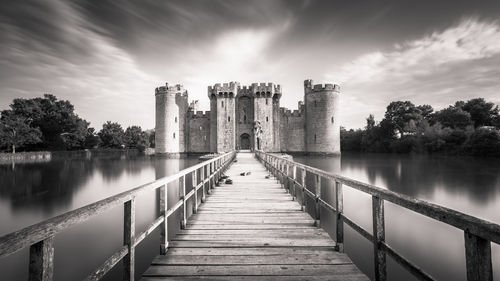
107, 57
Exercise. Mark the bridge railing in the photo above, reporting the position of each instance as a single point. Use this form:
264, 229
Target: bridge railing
40, 237
478, 233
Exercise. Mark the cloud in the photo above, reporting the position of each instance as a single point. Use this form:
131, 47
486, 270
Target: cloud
78, 63
460, 62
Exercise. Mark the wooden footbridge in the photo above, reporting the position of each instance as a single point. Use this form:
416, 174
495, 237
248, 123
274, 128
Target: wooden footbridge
254, 228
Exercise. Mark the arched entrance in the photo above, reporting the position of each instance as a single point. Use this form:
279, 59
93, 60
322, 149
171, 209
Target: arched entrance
245, 141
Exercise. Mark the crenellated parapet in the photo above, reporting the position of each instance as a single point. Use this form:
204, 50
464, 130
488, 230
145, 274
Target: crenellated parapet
317, 88
199, 114
223, 89
176, 89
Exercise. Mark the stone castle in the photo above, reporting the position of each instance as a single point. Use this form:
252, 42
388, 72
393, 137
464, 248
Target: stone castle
248, 118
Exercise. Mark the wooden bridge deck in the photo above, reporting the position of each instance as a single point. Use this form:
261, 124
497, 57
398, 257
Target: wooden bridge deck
251, 230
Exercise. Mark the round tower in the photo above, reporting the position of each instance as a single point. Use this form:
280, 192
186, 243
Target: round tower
322, 125
167, 129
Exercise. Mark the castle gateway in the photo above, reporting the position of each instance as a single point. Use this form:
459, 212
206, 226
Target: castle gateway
248, 117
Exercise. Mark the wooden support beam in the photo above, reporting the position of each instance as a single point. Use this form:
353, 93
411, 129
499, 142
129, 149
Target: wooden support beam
202, 176
182, 188
379, 238
41, 266
339, 206
317, 212
128, 238
303, 181
478, 258
195, 183
294, 186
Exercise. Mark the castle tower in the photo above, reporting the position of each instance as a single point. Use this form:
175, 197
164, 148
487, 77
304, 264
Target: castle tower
322, 127
171, 107
266, 113
222, 116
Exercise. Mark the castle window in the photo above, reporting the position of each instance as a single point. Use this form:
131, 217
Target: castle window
314, 138
228, 119
267, 101
204, 137
244, 118
222, 103
332, 119
175, 119
174, 135
315, 103
201, 128
267, 119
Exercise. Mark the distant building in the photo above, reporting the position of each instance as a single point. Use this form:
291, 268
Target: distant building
248, 118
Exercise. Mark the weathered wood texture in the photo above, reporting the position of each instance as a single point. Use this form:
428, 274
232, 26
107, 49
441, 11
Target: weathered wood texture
478, 233
252, 230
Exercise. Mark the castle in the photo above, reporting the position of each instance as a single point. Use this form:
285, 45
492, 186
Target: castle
247, 118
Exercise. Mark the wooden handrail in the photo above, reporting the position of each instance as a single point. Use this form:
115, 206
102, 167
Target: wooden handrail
40, 236
478, 233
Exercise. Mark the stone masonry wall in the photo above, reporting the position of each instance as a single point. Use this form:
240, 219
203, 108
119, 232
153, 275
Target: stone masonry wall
198, 125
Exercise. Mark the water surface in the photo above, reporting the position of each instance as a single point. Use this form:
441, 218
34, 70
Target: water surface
33, 192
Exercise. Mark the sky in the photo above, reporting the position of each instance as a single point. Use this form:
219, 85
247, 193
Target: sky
107, 57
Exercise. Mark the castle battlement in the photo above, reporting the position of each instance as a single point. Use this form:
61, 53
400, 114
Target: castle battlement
174, 89
270, 88
317, 88
218, 88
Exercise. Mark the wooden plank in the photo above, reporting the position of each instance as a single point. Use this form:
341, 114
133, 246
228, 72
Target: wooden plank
252, 270
243, 260
99, 273
257, 242
257, 251
353, 277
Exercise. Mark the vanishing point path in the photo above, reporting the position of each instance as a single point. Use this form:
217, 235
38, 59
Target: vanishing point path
251, 230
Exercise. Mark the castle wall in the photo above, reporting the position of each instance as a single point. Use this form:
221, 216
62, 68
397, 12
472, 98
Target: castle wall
292, 133
222, 108
182, 103
198, 126
213, 123
276, 124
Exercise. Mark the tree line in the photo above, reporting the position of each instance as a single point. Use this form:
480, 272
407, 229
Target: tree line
46, 123
465, 128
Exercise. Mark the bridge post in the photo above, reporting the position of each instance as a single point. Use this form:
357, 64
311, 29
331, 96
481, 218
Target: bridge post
303, 181
286, 174
317, 212
339, 207
379, 238
210, 178
477, 258
294, 175
41, 267
129, 235
193, 179
182, 187
202, 178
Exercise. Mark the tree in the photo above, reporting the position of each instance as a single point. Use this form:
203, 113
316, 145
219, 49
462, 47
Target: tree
111, 135
92, 140
15, 131
136, 138
425, 111
370, 122
61, 128
453, 117
484, 142
481, 112
399, 113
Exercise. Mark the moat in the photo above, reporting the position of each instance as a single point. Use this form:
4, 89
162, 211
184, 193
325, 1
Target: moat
32, 192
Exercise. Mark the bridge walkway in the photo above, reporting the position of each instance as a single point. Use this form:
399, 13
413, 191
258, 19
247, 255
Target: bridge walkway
251, 230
